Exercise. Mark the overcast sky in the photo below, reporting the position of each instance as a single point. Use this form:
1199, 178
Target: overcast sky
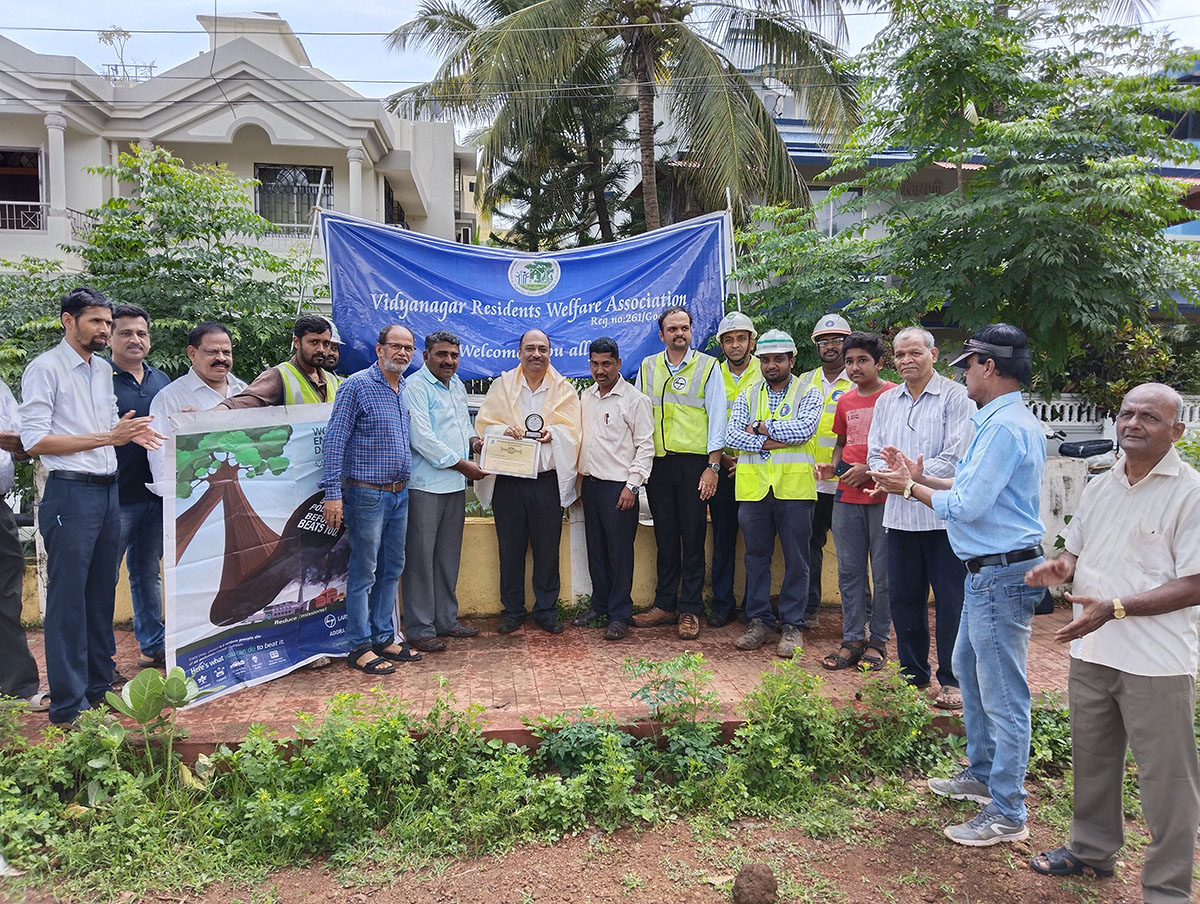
360, 59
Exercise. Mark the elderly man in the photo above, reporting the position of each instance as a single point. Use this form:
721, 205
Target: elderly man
69, 417
1133, 549
614, 459
772, 423
442, 439
303, 379
929, 416
687, 391
207, 383
529, 512
136, 384
365, 474
991, 509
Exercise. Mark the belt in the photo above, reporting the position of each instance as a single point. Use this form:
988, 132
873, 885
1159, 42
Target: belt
394, 487
1004, 558
84, 477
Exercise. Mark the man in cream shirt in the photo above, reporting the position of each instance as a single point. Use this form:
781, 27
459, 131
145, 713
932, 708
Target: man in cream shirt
614, 459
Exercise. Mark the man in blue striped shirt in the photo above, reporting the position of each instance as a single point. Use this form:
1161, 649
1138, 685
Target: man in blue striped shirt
991, 509
367, 463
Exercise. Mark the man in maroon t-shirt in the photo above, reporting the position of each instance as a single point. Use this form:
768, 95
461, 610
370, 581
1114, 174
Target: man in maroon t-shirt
858, 513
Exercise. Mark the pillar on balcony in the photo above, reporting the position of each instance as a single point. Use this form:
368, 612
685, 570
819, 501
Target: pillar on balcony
58, 222
355, 156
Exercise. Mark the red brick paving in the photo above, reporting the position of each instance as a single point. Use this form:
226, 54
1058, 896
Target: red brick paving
531, 673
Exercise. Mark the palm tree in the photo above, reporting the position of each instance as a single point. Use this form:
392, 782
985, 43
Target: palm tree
512, 61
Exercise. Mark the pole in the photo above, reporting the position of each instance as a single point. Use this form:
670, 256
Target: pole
737, 285
312, 236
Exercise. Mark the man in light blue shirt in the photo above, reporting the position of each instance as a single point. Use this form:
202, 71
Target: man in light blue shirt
442, 439
991, 512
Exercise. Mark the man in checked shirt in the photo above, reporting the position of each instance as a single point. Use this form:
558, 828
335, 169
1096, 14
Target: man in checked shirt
366, 470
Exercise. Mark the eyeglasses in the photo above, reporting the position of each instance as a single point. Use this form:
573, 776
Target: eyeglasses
836, 340
398, 347
908, 419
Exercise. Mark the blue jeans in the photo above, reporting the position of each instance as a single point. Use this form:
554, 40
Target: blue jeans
142, 547
990, 657
376, 524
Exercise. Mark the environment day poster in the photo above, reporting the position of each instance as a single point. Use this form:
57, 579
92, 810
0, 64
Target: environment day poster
255, 580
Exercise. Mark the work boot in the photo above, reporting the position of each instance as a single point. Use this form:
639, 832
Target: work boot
755, 635
689, 626
654, 617
790, 643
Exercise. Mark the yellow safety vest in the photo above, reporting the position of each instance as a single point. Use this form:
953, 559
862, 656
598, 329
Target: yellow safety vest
825, 439
680, 419
733, 387
298, 391
789, 471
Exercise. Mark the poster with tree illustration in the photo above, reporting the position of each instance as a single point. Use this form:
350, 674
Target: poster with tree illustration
255, 580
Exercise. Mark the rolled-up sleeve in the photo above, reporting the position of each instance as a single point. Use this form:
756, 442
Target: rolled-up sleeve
736, 436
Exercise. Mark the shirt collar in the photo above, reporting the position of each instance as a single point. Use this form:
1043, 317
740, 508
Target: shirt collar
618, 388
377, 374
984, 414
1170, 465
933, 387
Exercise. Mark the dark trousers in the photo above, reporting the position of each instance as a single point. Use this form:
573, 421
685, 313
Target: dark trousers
679, 529
528, 514
723, 512
81, 526
610, 537
18, 671
822, 522
762, 522
917, 560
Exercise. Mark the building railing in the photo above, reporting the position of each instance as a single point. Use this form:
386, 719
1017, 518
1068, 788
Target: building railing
81, 223
24, 216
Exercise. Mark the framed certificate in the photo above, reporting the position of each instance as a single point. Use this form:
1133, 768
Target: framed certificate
510, 457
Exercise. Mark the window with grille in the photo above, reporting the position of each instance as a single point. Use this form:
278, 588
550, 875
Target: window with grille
287, 194
393, 210
21, 189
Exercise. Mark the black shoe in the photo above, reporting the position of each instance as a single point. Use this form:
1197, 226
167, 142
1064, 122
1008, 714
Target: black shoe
582, 621
460, 631
720, 620
427, 644
508, 625
118, 680
616, 630
551, 626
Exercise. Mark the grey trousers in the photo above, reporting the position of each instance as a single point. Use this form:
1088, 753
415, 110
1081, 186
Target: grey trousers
1154, 716
431, 553
18, 670
858, 534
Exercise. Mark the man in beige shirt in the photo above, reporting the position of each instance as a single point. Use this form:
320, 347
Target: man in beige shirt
1133, 549
615, 459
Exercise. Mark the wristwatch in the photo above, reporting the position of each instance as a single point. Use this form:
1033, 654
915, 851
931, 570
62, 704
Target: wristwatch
715, 467
1118, 608
633, 489
908, 488
758, 427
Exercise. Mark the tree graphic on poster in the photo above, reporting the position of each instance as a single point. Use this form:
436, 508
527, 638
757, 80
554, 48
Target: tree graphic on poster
217, 460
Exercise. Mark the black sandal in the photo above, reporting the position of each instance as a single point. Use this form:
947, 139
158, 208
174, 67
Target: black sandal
836, 661
405, 655
1061, 862
376, 666
874, 663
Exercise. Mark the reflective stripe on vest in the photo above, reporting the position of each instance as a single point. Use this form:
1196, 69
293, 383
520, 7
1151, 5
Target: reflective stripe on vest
297, 390
787, 472
822, 443
751, 376
680, 419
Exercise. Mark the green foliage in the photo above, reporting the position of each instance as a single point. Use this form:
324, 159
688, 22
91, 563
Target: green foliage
252, 452
1054, 211
676, 690
1050, 738
1189, 447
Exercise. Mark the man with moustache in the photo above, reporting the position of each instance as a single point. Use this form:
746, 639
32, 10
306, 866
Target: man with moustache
208, 382
301, 380
614, 459
739, 369
367, 464
136, 384
69, 417
830, 378
1133, 550
529, 512
772, 423
687, 393
443, 440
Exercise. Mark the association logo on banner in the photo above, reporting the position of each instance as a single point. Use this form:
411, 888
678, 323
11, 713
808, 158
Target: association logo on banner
534, 277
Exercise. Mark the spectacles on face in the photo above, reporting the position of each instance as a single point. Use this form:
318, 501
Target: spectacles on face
398, 347
837, 340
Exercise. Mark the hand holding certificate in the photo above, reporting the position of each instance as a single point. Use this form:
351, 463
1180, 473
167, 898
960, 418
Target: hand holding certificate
509, 457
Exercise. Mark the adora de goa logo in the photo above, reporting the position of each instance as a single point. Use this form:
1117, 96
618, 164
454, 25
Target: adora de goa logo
534, 277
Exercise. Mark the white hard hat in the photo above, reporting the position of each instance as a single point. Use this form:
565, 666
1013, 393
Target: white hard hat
334, 337
776, 342
831, 323
736, 320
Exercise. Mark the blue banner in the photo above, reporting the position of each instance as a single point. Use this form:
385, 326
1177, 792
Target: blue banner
488, 297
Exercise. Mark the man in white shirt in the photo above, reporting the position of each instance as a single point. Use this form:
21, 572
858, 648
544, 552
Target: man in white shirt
614, 459
1133, 550
207, 383
69, 418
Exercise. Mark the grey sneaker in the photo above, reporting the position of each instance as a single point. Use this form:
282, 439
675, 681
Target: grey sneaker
989, 827
790, 643
754, 636
961, 786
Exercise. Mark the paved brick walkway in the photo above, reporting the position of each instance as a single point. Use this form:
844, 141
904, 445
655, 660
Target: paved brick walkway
531, 673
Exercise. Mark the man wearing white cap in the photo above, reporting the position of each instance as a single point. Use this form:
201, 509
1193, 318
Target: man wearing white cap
772, 424
736, 334
830, 378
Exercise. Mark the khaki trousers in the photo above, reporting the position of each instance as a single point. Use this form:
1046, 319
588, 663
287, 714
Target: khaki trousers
1153, 716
